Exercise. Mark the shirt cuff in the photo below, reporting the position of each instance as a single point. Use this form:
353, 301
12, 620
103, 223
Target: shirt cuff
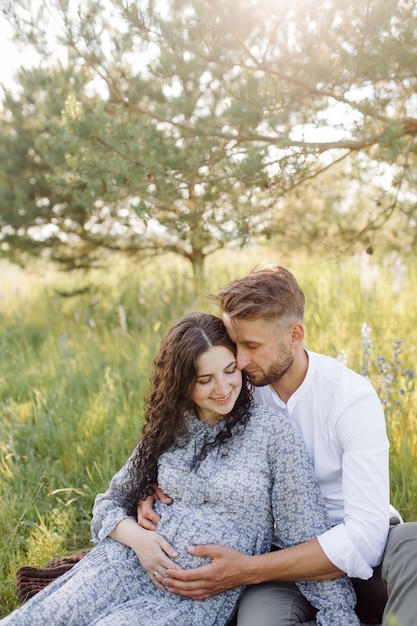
340, 550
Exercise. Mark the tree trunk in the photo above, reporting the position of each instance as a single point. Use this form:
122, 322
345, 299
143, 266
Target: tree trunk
197, 259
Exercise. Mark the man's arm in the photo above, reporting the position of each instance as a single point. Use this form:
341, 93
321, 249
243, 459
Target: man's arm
229, 568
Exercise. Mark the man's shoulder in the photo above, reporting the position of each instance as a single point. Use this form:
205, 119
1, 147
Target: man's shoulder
328, 367
335, 382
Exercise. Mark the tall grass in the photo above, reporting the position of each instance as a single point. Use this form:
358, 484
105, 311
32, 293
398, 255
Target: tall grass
76, 352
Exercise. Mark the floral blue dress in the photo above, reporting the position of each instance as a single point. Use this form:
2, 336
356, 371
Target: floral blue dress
260, 478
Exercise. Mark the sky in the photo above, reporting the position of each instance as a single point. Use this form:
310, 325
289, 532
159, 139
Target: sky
10, 56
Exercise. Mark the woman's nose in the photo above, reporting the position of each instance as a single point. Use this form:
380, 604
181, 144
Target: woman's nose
222, 387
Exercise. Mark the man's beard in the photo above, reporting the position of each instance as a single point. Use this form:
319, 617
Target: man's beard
275, 372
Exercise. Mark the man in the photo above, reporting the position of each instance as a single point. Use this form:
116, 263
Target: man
341, 420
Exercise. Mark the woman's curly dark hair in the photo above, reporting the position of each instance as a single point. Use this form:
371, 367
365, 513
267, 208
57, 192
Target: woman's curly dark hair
168, 400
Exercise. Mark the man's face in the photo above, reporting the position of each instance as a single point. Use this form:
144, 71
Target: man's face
263, 348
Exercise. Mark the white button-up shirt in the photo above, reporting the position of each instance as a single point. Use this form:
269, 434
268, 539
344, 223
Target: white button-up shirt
339, 416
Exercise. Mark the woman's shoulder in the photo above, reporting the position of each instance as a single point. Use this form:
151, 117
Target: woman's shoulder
274, 415
271, 424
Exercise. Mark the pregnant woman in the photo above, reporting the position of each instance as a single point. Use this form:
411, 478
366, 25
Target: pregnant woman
216, 453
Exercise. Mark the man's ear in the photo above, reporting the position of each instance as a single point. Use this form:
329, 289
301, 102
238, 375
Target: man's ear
297, 333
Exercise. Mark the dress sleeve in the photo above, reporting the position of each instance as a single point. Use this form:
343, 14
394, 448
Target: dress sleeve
300, 514
298, 505
110, 507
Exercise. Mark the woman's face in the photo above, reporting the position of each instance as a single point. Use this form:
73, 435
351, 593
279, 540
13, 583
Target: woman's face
218, 384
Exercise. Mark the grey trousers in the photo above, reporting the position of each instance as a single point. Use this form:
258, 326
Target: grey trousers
389, 597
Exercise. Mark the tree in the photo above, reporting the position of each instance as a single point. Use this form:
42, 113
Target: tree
340, 214
182, 125
348, 68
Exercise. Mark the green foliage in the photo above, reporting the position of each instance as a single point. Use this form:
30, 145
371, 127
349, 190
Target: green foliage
183, 126
76, 353
75, 359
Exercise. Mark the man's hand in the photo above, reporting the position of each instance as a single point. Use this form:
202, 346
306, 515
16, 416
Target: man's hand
147, 518
225, 571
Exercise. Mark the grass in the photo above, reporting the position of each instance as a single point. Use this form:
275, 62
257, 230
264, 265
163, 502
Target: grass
76, 353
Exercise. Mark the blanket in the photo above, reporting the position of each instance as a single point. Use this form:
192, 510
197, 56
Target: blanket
30, 580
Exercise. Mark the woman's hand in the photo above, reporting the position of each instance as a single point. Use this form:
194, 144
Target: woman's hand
155, 554
147, 518
153, 551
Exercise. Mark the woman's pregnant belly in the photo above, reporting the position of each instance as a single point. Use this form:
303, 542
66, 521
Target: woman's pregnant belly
183, 525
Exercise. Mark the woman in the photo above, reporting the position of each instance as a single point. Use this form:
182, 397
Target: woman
215, 453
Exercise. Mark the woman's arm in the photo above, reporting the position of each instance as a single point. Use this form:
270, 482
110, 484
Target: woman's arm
150, 548
111, 519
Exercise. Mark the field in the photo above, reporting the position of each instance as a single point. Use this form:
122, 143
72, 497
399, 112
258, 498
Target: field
76, 352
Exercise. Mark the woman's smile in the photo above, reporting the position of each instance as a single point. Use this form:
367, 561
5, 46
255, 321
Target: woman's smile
224, 399
218, 384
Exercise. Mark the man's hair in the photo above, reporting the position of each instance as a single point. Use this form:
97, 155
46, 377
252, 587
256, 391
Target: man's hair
270, 292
